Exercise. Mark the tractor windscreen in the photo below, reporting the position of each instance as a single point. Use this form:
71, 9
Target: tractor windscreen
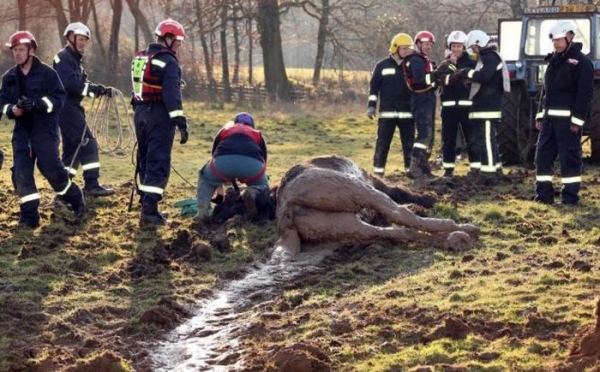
538, 42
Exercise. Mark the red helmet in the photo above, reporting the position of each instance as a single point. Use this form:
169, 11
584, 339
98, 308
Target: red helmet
172, 27
21, 37
424, 36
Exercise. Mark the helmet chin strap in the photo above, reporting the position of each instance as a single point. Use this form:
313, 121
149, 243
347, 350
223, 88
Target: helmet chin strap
72, 43
22, 65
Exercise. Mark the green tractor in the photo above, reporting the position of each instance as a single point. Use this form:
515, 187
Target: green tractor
524, 43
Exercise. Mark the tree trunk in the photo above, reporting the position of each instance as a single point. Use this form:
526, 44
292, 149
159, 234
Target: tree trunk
61, 18
113, 46
141, 22
212, 86
22, 4
224, 55
236, 45
250, 51
321, 40
98, 34
276, 80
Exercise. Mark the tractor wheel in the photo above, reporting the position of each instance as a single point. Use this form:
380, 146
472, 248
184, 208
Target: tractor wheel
593, 126
516, 141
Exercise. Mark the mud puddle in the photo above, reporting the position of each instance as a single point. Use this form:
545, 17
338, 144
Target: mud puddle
210, 340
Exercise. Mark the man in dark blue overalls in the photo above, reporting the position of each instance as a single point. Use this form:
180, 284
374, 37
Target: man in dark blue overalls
32, 95
568, 88
387, 86
419, 72
156, 78
78, 148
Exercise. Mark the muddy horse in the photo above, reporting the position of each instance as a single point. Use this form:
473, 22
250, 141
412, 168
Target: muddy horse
330, 199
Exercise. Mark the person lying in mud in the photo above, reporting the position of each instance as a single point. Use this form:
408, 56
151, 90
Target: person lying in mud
239, 152
330, 199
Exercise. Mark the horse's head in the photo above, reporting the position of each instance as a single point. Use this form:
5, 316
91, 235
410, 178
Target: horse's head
232, 205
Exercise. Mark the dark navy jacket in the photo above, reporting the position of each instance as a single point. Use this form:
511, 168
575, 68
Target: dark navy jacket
489, 97
170, 74
67, 63
387, 84
41, 83
569, 85
457, 91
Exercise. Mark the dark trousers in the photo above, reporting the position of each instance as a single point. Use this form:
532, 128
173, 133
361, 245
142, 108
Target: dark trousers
455, 119
72, 129
556, 140
38, 145
423, 109
385, 132
486, 144
155, 135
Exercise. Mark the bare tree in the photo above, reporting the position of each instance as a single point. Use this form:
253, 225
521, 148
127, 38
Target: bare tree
22, 6
276, 80
141, 23
224, 10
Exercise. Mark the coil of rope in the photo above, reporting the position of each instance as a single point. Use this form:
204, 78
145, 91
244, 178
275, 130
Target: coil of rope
111, 124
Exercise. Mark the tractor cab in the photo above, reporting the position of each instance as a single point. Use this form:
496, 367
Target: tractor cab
524, 43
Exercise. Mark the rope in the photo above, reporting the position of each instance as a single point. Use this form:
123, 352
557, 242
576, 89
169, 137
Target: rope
115, 135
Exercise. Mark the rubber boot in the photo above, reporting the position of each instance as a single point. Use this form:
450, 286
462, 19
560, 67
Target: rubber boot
74, 197
150, 214
248, 196
95, 189
204, 212
414, 171
426, 167
29, 215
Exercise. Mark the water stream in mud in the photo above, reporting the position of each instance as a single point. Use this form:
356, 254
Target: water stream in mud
209, 341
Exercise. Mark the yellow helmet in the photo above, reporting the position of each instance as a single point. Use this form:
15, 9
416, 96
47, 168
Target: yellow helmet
399, 40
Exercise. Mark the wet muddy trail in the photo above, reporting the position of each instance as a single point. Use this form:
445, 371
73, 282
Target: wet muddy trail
210, 340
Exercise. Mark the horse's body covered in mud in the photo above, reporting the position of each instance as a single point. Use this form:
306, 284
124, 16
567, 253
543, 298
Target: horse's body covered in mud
327, 198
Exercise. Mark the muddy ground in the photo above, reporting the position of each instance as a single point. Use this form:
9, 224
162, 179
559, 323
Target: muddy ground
99, 337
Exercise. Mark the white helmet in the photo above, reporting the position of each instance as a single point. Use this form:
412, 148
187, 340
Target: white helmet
77, 28
456, 37
477, 37
561, 29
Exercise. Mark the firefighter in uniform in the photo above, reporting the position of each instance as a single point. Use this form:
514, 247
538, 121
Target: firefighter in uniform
489, 81
239, 152
568, 88
419, 74
456, 104
157, 102
387, 84
32, 94
79, 145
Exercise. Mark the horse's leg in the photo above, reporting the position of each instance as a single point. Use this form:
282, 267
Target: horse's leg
347, 228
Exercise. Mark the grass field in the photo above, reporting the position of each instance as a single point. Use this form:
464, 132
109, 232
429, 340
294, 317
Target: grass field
77, 297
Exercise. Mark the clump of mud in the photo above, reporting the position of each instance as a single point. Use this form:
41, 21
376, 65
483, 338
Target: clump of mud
585, 351
106, 362
299, 357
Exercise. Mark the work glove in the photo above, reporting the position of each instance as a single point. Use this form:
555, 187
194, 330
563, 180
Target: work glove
181, 123
31, 104
459, 75
97, 90
371, 112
